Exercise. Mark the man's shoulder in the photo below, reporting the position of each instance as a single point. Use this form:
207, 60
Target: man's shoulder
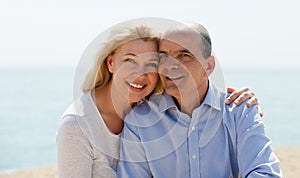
234, 109
149, 111
239, 113
155, 101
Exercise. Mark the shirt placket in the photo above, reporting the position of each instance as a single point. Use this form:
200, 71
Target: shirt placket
193, 146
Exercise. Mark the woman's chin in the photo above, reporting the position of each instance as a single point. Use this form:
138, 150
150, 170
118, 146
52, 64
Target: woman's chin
134, 100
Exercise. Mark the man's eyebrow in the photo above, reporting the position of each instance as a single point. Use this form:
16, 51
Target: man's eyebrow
184, 51
162, 52
179, 51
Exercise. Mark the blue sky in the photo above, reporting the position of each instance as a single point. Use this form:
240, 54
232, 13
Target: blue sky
245, 34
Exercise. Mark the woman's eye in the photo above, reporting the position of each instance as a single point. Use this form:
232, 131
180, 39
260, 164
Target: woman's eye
152, 65
162, 55
130, 60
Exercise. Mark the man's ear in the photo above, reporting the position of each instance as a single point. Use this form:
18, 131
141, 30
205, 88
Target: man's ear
210, 65
110, 63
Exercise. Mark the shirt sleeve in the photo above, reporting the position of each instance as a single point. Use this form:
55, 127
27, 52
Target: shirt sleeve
133, 161
254, 153
74, 153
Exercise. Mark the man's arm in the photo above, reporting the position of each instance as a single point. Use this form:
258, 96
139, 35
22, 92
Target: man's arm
254, 153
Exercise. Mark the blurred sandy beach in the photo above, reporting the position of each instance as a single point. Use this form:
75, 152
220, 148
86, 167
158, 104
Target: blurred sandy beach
289, 163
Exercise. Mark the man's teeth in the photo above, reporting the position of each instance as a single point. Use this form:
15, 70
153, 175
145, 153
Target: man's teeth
136, 85
173, 78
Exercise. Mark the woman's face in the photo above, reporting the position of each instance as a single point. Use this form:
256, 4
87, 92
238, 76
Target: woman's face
134, 68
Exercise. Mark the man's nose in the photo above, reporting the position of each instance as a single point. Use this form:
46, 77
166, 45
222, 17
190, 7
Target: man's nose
170, 64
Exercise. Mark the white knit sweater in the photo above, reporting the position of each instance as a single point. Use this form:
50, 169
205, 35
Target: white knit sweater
85, 146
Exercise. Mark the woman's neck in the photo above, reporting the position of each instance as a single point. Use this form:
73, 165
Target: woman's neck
111, 112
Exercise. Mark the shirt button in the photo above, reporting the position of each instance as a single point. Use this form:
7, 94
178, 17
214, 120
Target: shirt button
193, 128
194, 156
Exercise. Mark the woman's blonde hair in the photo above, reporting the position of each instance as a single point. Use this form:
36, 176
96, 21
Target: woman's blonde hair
99, 74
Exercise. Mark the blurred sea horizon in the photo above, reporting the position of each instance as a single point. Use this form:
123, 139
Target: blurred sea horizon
33, 99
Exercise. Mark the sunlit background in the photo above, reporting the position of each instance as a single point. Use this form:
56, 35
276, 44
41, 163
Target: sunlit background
41, 42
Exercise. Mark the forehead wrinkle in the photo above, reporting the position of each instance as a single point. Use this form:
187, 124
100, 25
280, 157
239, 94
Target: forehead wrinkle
170, 45
188, 39
154, 59
180, 50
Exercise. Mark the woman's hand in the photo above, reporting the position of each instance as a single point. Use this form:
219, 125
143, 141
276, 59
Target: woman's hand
238, 96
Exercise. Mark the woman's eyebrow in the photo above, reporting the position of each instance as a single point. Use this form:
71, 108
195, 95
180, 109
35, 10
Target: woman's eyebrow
129, 53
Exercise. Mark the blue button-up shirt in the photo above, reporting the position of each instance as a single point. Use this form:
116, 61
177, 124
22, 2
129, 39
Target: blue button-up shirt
217, 141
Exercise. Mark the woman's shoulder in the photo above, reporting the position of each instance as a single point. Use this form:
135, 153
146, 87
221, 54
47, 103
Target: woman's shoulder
69, 129
71, 119
79, 106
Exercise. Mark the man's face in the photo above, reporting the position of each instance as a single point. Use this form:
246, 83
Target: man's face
182, 67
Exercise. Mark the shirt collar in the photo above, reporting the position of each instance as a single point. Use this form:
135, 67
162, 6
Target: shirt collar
213, 99
163, 101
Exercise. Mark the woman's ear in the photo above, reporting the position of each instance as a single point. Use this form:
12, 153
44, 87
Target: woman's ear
110, 63
210, 65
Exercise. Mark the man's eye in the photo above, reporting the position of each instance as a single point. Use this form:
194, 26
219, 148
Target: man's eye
184, 56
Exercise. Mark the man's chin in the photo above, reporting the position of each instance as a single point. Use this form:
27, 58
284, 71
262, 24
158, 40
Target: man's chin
173, 91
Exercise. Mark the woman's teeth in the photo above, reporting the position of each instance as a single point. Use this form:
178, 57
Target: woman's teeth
136, 85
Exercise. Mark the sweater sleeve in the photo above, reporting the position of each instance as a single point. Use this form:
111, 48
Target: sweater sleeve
74, 152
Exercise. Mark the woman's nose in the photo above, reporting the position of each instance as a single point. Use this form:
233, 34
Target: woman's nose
139, 71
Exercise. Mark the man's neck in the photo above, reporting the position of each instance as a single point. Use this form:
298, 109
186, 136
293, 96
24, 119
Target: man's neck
188, 101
